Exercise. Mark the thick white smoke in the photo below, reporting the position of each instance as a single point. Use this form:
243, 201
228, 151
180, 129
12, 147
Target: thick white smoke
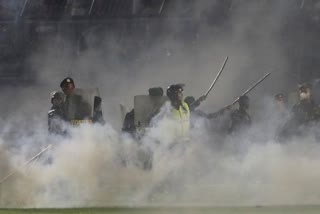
98, 166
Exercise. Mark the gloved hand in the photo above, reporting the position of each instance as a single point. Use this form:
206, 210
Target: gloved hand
202, 98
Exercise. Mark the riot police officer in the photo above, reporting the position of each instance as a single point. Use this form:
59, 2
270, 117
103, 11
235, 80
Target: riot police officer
303, 113
281, 100
240, 118
305, 110
193, 103
180, 110
56, 115
67, 85
128, 125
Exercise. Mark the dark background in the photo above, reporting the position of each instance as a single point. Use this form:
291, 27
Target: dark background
137, 24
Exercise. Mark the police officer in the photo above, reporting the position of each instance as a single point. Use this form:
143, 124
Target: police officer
280, 97
305, 110
128, 125
303, 113
193, 103
155, 91
56, 115
180, 110
281, 100
240, 118
67, 85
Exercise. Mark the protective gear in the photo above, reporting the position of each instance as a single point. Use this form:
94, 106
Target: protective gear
97, 111
239, 119
57, 98
202, 98
128, 123
305, 112
67, 86
173, 90
180, 112
189, 100
182, 117
156, 91
66, 81
193, 103
220, 112
56, 115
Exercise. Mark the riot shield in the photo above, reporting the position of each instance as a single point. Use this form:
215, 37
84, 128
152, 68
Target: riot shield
145, 108
80, 105
293, 98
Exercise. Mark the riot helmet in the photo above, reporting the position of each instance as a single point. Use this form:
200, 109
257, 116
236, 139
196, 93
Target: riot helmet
57, 98
67, 85
156, 91
174, 92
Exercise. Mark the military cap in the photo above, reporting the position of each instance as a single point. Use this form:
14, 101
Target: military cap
66, 81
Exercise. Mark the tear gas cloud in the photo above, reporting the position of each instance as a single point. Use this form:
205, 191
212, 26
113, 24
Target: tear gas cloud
98, 166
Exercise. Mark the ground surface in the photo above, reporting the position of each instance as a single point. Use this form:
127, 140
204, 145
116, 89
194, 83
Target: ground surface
244, 210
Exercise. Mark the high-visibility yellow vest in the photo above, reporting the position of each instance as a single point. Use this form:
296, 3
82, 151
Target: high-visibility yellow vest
182, 118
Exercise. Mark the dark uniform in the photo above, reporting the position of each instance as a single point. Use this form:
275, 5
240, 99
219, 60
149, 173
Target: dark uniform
67, 85
305, 111
193, 103
303, 114
128, 123
97, 111
240, 118
56, 115
137, 131
219, 113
